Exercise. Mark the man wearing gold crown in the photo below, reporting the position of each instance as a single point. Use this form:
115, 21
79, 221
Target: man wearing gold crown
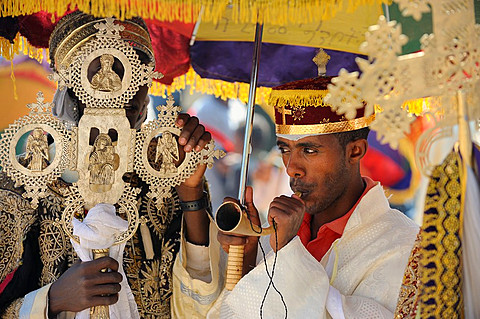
40, 276
339, 250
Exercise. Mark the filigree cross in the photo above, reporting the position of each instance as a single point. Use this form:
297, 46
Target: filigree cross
109, 28
448, 64
169, 109
40, 107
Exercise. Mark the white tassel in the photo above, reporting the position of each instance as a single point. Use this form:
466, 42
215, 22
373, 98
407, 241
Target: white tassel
147, 239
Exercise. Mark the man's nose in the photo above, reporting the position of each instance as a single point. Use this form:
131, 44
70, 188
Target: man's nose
295, 167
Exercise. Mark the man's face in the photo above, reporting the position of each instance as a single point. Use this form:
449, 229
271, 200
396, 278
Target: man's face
318, 169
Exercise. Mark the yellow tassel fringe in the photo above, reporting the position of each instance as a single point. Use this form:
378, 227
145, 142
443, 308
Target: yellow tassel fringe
303, 98
21, 46
221, 89
275, 12
418, 106
265, 96
12, 76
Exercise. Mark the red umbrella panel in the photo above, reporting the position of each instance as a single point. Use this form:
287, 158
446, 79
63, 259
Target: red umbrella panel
170, 40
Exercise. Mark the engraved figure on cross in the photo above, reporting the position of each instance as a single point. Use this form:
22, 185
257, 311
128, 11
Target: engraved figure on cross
103, 161
106, 79
167, 152
37, 150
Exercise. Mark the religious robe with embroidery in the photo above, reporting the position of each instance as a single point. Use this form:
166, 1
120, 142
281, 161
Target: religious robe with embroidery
359, 277
35, 251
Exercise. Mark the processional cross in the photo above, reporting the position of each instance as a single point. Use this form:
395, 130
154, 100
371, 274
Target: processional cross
447, 68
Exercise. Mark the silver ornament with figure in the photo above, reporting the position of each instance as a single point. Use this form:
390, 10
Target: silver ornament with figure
158, 160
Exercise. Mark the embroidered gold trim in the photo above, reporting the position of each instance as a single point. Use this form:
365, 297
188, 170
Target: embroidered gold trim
13, 311
408, 298
335, 127
16, 217
282, 98
151, 279
55, 248
441, 250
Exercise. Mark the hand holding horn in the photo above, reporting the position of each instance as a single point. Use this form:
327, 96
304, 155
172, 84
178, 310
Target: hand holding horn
235, 222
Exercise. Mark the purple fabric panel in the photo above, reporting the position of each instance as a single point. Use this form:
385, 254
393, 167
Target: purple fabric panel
279, 64
476, 156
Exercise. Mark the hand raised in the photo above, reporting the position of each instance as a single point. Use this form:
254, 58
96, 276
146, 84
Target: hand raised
287, 214
85, 286
193, 137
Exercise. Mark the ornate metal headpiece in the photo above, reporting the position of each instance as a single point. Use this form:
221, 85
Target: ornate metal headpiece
104, 48
77, 28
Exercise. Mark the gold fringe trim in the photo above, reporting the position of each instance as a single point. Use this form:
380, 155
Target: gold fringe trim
21, 45
283, 98
303, 98
418, 106
218, 88
326, 128
12, 76
276, 12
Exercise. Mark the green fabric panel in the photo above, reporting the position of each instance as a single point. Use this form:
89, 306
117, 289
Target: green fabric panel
415, 29
411, 28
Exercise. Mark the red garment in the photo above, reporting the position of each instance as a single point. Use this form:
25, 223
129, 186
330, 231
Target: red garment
328, 232
6, 281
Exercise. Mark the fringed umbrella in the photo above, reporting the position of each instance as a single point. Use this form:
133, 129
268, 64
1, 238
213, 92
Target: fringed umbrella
28, 24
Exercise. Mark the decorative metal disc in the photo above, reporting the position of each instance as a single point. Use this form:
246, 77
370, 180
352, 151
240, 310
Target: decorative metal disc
106, 89
37, 169
162, 174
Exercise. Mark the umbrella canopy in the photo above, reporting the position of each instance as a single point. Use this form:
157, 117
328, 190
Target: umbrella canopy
279, 12
171, 25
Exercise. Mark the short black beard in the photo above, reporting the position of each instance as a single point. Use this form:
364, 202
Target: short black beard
336, 184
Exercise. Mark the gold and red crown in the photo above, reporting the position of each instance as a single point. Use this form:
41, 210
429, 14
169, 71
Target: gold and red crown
301, 110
